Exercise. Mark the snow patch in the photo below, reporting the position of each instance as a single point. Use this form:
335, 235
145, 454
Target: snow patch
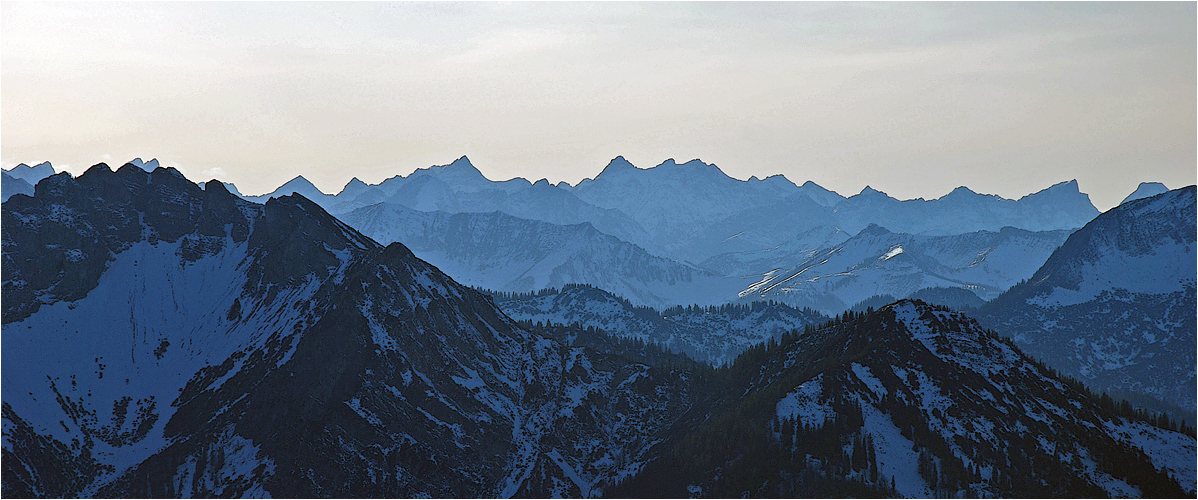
865, 375
893, 252
804, 403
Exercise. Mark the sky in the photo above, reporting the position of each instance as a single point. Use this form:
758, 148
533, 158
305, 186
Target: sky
913, 99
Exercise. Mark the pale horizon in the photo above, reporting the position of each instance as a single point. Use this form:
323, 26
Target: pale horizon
913, 100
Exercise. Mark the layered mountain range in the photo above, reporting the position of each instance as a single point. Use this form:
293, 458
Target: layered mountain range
497, 251
726, 239
163, 338
22, 178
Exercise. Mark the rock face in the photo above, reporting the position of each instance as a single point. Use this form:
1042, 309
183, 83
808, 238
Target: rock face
1115, 305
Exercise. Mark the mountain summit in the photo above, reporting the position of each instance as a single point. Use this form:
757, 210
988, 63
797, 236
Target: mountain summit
31, 174
1145, 190
296, 185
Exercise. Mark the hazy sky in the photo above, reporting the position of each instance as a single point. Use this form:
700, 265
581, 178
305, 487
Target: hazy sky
912, 99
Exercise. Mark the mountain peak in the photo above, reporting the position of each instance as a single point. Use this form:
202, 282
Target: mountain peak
873, 229
1145, 190
1061, 188
299, 181
618, 164
232, 189
461, 171
459, 166
215, 186
462, 163
670, 162
297, 185
870, 191
99, 167
148, 166
32, 174
691, 167
354, 187
1063, 192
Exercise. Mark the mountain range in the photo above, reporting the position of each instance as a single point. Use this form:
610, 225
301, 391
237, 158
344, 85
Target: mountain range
500, 252
725, 236
166, 339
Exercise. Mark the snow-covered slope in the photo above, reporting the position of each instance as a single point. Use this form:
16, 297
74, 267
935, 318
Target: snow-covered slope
499, 252
912, 401
1115, 305
809, 272
710, 334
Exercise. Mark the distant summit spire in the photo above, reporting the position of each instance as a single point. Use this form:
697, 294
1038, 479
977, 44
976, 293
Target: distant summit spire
462, 163
1145, 190
460, 171
618, 164
148, 166
32, 174
870, 191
